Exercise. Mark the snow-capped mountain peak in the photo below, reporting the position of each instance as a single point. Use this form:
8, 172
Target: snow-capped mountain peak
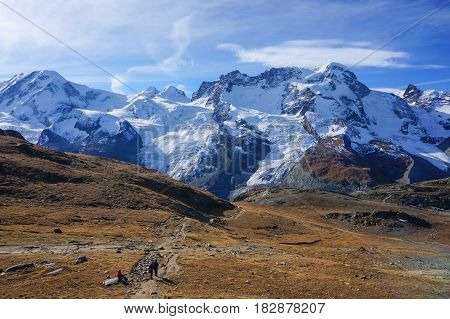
41, 98
411, 94
173, 94
333, 66
430, 100
150, 92
285, 126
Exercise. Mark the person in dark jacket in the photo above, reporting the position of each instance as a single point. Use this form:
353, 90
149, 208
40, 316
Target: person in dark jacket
153, 267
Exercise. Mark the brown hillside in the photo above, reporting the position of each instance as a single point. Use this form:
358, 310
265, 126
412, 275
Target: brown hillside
35, 174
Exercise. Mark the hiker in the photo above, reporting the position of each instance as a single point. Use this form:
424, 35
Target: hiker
121, 277
153, 267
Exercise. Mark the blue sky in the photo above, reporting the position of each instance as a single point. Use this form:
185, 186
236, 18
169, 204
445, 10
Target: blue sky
157, 43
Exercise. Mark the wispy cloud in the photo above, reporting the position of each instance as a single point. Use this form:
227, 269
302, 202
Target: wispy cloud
315, 53
112, 33
180, 37
434, 82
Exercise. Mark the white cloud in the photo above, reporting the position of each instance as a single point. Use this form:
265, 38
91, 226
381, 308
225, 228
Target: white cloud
180, 34
158, 40
114, 34
387, 90
94, 26
315, 53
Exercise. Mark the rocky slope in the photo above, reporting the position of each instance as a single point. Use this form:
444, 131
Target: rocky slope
287, 126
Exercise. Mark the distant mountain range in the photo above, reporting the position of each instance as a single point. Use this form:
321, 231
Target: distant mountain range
287, 126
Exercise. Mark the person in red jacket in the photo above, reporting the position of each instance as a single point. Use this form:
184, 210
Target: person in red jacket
121, 277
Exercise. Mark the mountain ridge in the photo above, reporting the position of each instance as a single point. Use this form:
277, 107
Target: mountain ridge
286, 126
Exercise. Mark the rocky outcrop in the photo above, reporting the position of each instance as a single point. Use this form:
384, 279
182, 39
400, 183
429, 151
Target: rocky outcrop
334, 162
124, 146
425, 194
11, 133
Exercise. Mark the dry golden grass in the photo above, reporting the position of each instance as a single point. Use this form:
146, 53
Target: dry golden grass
99, 231
343, 264
244, 258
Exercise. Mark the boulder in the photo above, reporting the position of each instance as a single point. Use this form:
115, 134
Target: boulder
55, 272
110, 282
80, 259
57, 231
47, 263
19, 267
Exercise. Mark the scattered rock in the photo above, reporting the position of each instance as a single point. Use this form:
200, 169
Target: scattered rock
386, 219
80, 259
47, 263
55, 272
57, 231
110, 282
118, 251
19, 267
268, 227
433, 194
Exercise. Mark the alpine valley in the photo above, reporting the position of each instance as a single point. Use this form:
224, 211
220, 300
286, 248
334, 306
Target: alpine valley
313, 129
